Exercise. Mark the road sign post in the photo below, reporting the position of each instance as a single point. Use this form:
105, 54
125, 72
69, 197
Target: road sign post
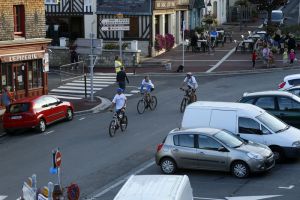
56, 159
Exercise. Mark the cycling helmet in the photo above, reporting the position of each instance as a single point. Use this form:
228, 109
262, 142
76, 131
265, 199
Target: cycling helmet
119, 90
189, 74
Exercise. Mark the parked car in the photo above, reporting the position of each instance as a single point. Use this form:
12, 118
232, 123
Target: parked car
277, 18
294, 90
36, 113
247, 121
284, 105
212, 149
289, 81
160, 187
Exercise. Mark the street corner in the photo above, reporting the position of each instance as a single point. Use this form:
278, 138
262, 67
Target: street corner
86, 106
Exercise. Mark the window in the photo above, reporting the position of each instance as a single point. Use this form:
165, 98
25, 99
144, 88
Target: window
295, 91
294, 82
39, 103
51, 101
228, 138
273, 123
19, 20
248, 126
184, 140
134, 28
246, 100
19, 108
37, 73
208, 143
265, 131
287, 104
6, 75
266, 103
51, 1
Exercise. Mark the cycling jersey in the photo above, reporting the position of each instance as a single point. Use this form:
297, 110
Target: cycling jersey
191, 82
147, 85
119, 100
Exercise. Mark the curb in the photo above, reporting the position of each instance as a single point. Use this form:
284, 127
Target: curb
105, 103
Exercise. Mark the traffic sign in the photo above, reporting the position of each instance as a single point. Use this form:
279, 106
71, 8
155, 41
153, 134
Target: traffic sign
57, 159
121, 21
115, 28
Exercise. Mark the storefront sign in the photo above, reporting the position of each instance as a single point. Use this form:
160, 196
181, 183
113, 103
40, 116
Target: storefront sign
22, 57
165, 4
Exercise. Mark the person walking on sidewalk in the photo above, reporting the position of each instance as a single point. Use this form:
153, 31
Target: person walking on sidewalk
292, 56
285, 57
254, 57
118, 64
122, 78
6, 98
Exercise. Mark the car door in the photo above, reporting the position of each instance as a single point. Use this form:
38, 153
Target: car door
289, 110
55, 111
209, 155
184, 151
267, 103
42, 109
249, 129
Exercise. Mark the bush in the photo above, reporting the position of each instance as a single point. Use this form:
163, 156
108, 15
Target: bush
111, 46
170, 41
160, 42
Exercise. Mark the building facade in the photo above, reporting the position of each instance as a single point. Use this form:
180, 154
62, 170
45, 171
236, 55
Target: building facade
196, 13
23, 47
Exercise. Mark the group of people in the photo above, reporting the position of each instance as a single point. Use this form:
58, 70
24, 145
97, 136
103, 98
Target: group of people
284, 44
209, 37
6, 97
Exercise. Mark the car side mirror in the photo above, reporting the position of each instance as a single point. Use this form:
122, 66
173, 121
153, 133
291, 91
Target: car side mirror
222, 149
259, 132
45, 105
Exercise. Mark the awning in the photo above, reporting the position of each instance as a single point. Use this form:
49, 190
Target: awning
197, 4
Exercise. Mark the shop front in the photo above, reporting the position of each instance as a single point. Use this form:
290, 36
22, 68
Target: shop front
23, 69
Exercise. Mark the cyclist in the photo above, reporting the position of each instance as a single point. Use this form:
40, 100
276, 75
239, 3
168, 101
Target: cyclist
147, 84
191, 83
119, 101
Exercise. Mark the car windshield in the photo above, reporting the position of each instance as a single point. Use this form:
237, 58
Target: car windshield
277, 16
19, 108
228, 139
272, 122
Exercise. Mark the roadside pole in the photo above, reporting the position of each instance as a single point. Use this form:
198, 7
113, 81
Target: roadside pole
299, 13
92, 63
120, 44
183, 28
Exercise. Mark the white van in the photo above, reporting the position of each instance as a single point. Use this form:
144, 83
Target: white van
150, 187
248, 121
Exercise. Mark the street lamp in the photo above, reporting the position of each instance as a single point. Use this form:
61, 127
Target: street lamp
209, 6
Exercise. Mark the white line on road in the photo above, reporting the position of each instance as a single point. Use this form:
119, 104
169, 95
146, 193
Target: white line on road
135, 91
82, 118
78, 87
2, 197
121, 181
128, 95
288, 188
105, 82
49, 132
88, 84
221, 61
69, 91
102, 79
252, 197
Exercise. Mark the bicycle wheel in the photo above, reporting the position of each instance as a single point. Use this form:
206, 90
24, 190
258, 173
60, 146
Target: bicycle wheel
141, 106
112, 128
183, 104
153, 102
124, 123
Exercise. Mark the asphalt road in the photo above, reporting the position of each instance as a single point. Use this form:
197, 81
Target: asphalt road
291, 11
93, 160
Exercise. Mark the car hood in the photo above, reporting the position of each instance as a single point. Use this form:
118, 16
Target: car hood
255, 148
291, 134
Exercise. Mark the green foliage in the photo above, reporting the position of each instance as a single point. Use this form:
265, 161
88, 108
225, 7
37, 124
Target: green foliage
115, 46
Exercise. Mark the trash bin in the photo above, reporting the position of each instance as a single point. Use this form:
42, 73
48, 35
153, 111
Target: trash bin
168, 66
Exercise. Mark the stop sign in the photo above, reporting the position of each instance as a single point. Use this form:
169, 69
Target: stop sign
57, 159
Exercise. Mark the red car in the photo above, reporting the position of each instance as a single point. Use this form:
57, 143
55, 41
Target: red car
37, 112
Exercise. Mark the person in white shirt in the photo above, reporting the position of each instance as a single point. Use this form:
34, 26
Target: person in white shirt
147, 85
119, 101
192, 85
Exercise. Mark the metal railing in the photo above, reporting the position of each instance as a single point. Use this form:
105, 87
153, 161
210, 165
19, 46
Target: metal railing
71, 71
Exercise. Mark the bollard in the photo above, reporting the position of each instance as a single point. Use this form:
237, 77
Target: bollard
34, 184
50, 189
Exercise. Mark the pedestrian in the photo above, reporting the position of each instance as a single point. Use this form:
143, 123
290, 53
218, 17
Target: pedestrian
271, 59
118, 64
254, 57
291, 43
6, 98
292, 56
285, 57
122, 78
265, 54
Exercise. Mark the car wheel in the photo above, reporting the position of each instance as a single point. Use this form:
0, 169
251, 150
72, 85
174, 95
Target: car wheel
168, 166
69, 116
278, 154
240, 169
42, 126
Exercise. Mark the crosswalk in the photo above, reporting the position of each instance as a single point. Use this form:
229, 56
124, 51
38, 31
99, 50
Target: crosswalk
75, 90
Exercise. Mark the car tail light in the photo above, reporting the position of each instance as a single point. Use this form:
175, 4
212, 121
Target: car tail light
281, 85
159, 147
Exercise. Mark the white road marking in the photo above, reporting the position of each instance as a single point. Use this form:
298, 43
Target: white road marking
121, 181
252, 197
87, 84
128, 95
102, 79
78, 87
109, 74
49, 132
288, 188
2, 197
65, 97
69, 91
135, 91
221, 61
105, 82
82, 118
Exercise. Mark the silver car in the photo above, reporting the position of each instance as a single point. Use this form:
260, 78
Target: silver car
212, 149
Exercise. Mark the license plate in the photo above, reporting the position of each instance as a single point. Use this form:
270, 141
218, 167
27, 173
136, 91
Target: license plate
16, 117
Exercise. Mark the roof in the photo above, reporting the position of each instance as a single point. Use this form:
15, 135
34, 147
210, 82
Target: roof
25, 100
271, 92
126, 7
226, 105
149, 187
292, 76
208, 131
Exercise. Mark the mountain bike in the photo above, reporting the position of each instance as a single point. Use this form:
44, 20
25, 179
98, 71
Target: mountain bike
147, 101
189, 97
119, 120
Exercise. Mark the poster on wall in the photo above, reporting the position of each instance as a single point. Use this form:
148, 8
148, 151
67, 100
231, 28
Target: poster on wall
3, 79
46, 62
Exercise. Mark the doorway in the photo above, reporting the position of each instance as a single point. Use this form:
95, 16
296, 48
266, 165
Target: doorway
19, 79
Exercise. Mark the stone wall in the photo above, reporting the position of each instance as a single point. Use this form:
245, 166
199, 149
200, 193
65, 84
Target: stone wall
59, 56
34, 18
143, 46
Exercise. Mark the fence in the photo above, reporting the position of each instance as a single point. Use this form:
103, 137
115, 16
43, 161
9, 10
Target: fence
71, 71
